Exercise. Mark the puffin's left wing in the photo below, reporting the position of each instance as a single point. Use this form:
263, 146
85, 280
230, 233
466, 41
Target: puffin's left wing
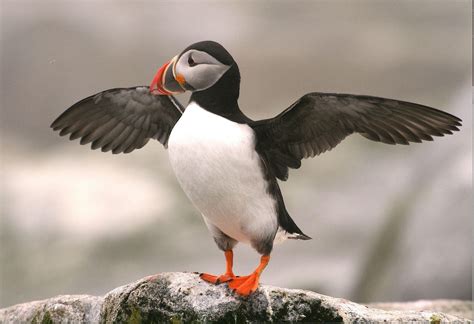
317, 122
121, 119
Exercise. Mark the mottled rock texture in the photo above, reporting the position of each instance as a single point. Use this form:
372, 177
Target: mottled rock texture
183, 297
60, 309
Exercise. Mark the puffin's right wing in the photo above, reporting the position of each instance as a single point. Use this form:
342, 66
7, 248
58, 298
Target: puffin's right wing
317, 122
121, 119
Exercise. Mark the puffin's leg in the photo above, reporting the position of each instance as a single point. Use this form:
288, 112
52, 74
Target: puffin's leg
246, 285
228, 274
226, 244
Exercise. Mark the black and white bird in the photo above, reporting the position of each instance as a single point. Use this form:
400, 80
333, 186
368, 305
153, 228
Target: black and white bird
227, 164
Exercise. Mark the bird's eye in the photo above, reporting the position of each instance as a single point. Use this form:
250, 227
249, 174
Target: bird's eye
191, 62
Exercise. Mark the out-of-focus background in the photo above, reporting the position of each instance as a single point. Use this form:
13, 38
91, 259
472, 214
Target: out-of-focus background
388, 222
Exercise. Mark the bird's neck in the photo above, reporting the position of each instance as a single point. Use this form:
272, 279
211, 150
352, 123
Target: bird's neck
222, 98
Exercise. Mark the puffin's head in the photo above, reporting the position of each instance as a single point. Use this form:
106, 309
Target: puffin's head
197, 68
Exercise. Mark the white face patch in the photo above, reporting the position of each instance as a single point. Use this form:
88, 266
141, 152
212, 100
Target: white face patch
200, 70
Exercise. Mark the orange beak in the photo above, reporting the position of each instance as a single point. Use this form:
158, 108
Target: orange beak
165, 82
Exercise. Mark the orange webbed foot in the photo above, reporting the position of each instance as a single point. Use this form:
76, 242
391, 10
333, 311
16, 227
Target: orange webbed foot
217, 279
244, 286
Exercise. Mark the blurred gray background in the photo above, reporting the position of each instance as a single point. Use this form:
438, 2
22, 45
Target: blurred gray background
388, 223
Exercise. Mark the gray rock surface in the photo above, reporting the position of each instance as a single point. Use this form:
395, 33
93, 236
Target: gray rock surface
60, 309
453, 307
177, 297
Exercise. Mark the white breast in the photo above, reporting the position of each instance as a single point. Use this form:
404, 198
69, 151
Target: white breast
218, 168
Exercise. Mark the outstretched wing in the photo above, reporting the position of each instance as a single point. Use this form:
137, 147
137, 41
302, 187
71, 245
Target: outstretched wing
317, 122
120, 120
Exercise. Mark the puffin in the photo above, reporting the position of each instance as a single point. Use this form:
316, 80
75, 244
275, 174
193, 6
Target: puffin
229, 165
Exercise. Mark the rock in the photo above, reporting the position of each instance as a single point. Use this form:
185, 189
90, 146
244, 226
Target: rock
66, 308
183, 297
453, 307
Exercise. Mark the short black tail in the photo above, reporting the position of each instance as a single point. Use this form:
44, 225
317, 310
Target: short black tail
289, 225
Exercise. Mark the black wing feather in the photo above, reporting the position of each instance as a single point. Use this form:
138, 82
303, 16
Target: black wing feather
317, 122
120, 120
